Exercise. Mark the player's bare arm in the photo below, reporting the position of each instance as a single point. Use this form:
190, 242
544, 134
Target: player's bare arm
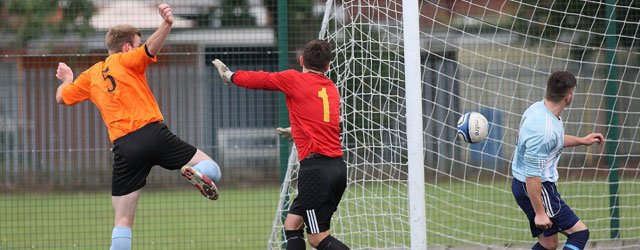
534, 191
156, 40
571, 141
65, 74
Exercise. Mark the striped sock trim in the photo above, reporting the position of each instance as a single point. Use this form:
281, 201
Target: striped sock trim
572, 247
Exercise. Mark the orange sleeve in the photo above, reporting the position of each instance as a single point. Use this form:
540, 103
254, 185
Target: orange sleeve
137, 59
78, 90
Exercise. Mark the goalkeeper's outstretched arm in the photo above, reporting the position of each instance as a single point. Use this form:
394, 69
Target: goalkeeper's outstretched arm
263, 80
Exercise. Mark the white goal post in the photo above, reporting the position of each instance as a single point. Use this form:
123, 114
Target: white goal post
492, 57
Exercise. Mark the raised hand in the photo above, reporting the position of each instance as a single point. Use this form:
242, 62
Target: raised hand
64, 73
223, 70
165, 12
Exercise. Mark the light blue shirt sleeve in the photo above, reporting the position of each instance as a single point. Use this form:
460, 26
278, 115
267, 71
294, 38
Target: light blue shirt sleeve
536, 151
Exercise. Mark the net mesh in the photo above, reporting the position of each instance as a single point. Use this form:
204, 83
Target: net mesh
492, 57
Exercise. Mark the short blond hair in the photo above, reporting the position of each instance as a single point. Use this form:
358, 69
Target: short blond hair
119, 35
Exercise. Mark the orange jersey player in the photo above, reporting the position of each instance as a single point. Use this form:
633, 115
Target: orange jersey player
118, 87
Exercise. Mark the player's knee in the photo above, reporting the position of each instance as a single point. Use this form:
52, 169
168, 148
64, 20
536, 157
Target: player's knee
552, 245
209, 168
295, 239
546, 243
314, 241
538, 246
331, 243
293, 222
577, 240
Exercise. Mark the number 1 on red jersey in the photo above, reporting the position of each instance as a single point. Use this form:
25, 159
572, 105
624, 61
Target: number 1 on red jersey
325, 103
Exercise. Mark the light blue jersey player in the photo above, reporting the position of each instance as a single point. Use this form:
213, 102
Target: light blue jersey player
540, 142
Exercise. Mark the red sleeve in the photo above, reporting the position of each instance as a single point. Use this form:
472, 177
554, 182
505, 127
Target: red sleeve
264, 80
137, 59
78, 90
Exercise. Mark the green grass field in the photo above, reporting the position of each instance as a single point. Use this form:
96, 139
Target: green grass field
489, 215
242, 219
463, 214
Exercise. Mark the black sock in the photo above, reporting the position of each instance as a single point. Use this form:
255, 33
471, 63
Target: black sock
577, 240
538, 246
331, 243
295, 239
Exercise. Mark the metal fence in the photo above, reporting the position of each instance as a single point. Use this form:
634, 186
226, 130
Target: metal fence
55, 161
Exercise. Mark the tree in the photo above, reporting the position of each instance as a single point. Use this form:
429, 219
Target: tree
547, 20
303, 24
30, 19
236, 13
75, 17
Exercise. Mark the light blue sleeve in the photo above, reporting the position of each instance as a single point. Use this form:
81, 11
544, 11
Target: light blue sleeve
537, 149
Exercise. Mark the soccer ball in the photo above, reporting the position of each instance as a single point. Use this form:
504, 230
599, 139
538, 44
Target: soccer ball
473, 127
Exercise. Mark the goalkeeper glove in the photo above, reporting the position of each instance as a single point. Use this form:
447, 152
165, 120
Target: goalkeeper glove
285, 133
224, 71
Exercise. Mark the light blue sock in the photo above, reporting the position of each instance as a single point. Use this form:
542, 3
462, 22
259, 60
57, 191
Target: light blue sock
210, 169
121, 238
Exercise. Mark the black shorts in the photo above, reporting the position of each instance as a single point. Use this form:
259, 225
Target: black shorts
135, 153
321, 183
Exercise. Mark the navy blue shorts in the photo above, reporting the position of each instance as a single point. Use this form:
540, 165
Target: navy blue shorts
137, 152
559, 212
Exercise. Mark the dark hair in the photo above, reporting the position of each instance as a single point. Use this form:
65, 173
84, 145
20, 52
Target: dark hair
559, 84
316, 55
120, 35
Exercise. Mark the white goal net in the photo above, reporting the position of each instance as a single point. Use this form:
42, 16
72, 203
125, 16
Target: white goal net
492, 57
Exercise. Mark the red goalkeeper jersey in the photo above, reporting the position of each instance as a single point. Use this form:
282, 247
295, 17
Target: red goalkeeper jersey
314, 107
